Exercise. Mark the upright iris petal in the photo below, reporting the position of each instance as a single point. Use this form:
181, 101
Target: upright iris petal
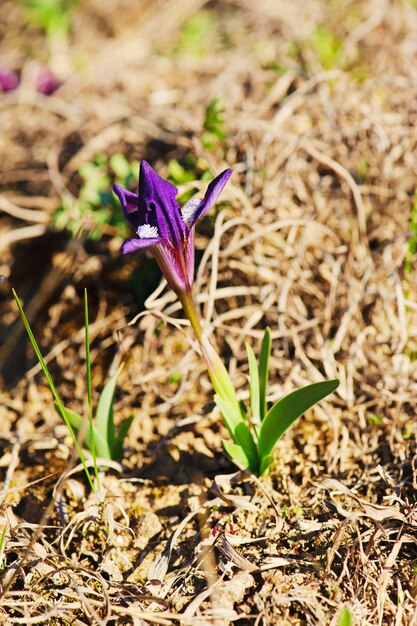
163, 227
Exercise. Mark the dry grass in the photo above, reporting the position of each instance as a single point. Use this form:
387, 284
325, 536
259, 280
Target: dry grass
311, 241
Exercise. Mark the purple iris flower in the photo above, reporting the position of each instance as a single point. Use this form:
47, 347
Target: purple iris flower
46, 82
8, 80
163, 227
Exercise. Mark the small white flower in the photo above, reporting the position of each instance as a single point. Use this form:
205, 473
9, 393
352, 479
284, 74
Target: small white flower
147, 232
188, 211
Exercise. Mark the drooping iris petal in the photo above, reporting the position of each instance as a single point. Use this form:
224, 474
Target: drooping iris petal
129, 202
213, 191
135, 244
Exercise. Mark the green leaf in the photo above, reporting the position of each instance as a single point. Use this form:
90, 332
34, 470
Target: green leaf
60, 406
89, 390
78, 423
104, 415
263, 371
237, 454
345, 617
120, 437
253, 386
239, 430
284, 413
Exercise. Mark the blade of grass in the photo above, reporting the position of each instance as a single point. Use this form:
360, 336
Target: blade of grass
89, 391
253, 386
2, 538
61, 408
263, 371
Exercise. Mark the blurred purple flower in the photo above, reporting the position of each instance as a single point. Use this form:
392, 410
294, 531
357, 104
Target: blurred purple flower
8, 80
46, 82
163, 227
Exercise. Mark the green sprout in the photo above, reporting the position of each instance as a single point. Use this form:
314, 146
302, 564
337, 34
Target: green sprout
98, 435
345, 617
326, 46
3, 562
410, 257
214, 124
255, 433
58, 402
52, 16
101, 438
96, 209
410, 260
198, 34
375, 420
362, 168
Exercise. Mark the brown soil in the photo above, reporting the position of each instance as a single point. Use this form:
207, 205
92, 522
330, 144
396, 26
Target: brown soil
313, 237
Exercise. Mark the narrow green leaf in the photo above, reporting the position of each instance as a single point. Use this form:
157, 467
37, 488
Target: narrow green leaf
237, 454
77, 422
239, 430
38, 354
89, 391
286, 411
87, 357
345, 617
120, 437
60, 406
263, 371
104, 415
253, 385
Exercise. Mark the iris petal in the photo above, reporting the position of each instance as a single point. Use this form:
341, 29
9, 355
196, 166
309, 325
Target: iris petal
132, 245
129, 202
213, 191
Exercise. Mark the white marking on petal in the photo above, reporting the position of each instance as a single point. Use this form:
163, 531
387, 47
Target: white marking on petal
188, 211
147, 232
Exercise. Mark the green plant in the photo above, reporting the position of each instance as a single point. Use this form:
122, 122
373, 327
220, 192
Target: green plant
256, 432
167, 231
102, 436
214, 124
326, 46
3, 562
198, 34
345, 617
410, 257
98, 435
96, 210
53, 16
58, 402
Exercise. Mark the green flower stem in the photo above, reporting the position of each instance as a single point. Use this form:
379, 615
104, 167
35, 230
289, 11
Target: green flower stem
219, 375
190, 310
